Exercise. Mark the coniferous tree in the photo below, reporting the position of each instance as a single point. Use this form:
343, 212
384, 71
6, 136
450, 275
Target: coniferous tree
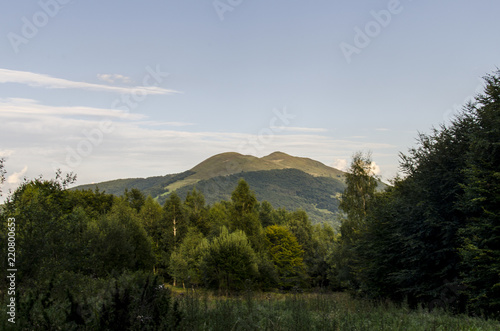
481, 249
244, 214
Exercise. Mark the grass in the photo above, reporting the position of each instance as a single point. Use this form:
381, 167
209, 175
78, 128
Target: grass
201, 310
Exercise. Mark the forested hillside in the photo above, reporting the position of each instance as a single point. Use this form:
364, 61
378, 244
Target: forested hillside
283, 180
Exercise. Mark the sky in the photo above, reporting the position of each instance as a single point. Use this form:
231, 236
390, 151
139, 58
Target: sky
119, 89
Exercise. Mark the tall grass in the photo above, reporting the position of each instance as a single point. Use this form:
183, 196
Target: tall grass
137, 302
320, 311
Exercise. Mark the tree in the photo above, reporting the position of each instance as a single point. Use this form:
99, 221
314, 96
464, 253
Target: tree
434, 236
286, 254
229, 261
175, 219
323, 238
196, 210
244, 214
135, 198
122, 242
217, 217
244, 200
40, 208
266, 214
481, 201
185, 260
300, 226
152, 219
355, 203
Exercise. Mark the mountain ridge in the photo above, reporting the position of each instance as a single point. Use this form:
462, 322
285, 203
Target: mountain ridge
285, 181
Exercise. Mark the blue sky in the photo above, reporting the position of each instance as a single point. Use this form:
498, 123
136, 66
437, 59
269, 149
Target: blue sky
114, 89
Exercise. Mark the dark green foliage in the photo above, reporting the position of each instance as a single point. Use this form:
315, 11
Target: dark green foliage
434, 237
135, 198
266, 214
481, 248
229, 261
185, 259
121, 242
175, 220
151, 216
287, 188
196, 211
244, 215
323, 238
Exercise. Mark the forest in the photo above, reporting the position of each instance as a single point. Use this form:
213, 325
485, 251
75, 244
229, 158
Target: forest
430, 241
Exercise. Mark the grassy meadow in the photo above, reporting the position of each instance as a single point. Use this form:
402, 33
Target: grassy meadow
201, 310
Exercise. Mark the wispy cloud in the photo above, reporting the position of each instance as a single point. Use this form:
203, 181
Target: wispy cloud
29, 108
113, 78
44, 135
296, 129
175, 124
46, 81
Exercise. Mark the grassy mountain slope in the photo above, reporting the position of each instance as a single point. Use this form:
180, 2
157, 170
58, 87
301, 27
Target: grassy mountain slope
225, 164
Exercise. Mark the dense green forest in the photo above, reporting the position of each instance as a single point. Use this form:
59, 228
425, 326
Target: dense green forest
88, 259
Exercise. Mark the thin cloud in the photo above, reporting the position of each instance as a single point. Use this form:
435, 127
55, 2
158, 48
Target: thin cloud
27, 108
113, 78
297, 129
46, 81
176, 124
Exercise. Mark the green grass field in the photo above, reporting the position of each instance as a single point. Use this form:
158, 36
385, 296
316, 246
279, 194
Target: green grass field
308, 311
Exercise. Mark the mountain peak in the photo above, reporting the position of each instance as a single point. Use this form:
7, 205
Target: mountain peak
230, 163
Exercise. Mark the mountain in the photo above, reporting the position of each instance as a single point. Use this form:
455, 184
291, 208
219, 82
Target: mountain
285, 181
